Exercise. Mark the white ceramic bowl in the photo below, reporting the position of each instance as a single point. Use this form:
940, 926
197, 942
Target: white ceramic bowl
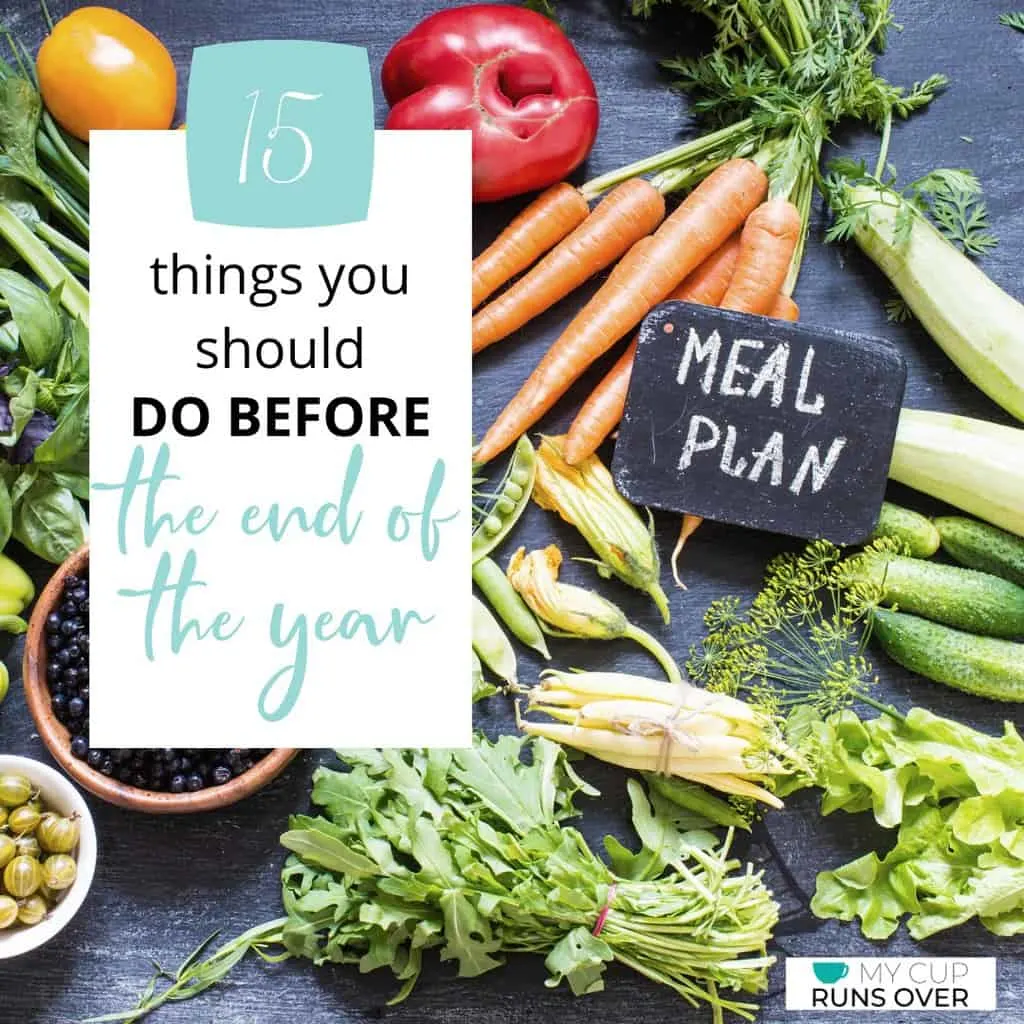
60, 795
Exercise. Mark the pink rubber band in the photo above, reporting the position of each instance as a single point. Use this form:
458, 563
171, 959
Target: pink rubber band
603, 916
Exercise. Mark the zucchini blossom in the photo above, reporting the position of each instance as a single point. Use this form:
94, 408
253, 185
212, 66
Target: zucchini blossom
585, 496
566, 610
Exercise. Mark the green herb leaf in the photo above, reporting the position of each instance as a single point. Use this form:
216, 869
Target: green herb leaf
316, 847
48, 519
1013, 19
71, 435
37, 315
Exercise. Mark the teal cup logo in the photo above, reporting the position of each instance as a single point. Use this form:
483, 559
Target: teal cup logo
828, 972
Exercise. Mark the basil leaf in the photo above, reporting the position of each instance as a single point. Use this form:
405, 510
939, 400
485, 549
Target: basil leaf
73, 361
49, 521
37, 315
22, 389
76, 483
71, 435
20, 110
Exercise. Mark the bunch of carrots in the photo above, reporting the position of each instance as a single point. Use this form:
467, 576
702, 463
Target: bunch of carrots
728, 244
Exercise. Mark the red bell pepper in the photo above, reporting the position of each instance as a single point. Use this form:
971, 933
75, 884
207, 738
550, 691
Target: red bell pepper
508, 74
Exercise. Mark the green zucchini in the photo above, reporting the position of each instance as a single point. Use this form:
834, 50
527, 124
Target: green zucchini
979, 665
975, 601
983, 547
917, 532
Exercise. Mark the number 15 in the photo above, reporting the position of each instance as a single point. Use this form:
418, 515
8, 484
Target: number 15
307, 146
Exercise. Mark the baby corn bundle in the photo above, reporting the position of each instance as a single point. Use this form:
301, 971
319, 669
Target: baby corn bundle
672, 729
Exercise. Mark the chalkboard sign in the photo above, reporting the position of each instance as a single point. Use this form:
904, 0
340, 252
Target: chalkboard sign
759, 422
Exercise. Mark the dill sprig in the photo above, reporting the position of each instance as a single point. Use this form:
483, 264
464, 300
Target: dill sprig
951, 198
800, 641
1013, 19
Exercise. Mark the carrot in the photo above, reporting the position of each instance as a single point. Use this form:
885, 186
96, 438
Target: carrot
628, 213
603, 409
539, 227
710, 214
784, 308
767, 244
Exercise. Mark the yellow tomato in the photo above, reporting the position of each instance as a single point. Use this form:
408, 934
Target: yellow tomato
100, 69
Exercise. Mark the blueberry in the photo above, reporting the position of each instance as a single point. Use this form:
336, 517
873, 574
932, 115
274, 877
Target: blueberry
80, 747
107, 767
83, 692
58, 702
53, 673
194, 782
53, 622
71, 581
95, 758
178, 783
68, 609
69, 675
73, 651
79, 594
62, 657
221, 774
83, 642
69, 627
124, 774
76, 707
83, 670
54, 642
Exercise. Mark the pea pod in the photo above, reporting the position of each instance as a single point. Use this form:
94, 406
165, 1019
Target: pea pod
511, 608
980, 665
917, 532
511, 502
481, 688
984, 547
490, 643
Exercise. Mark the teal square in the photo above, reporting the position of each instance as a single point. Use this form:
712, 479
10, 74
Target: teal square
280, 133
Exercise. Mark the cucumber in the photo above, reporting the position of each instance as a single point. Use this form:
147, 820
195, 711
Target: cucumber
979, 665
916, 531
983, 547
974, 601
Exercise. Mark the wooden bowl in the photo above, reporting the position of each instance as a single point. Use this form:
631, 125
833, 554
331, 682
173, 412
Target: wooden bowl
58, 740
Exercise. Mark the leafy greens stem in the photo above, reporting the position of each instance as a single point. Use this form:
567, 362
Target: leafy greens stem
67, 207
59, 241
73, 296
798, 24
885, 709
883, 149
677, 155
69, 161
777, 50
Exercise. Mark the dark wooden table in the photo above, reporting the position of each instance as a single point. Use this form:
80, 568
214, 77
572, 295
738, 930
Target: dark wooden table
163, 884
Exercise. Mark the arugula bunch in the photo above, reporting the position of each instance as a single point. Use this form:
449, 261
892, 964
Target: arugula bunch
467, 852
956, 797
